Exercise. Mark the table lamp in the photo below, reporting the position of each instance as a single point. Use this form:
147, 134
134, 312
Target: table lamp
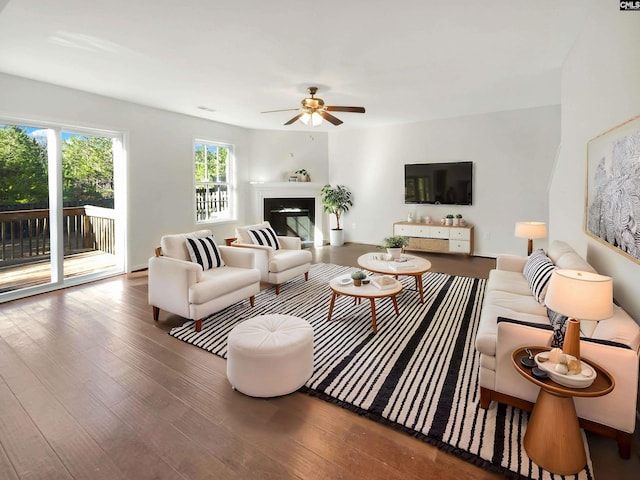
579, 296
531, 230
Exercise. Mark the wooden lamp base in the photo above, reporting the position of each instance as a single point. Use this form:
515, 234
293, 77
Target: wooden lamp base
571, 345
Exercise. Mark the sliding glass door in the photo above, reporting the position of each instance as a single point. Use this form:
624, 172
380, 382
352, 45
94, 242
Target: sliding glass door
58, 219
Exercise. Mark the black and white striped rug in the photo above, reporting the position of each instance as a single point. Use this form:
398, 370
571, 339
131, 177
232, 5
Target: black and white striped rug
419, 373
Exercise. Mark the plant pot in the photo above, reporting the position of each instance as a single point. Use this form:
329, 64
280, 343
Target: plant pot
336, 237
448, 221
394, 252
456, 222
357, 283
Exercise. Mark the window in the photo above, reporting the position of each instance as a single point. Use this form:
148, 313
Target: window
213, 181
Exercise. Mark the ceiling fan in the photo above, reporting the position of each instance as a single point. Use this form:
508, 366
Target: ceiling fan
313, 109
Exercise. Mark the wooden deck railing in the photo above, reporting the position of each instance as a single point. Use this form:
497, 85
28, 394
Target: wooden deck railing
24, 234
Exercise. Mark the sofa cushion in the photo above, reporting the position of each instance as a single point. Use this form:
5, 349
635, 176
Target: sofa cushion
285, 259
508, 281
264, 236
563, 256
174, 246
204, 252
243, 232
559, 323
538, 272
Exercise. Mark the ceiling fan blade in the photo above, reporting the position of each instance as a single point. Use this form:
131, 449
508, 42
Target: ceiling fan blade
285, 110
330, 118
345, 109
294, 118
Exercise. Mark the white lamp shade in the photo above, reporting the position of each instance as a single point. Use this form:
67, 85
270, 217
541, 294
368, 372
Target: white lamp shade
531, 230
580, 295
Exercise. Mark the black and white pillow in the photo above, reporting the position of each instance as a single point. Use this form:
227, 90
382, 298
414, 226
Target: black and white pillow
205, 252
559, 323
265, 236
538, 272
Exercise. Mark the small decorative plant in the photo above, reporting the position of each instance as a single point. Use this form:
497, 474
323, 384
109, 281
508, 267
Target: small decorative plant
449, 219
450, 215
459, 216
357, 277
396, 241
302, 171
305, 175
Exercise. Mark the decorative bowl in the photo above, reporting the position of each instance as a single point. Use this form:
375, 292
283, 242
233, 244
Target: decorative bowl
581, 380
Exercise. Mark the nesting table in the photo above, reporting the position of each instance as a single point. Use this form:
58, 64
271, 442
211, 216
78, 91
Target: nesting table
370, 292
553, 439
417, 267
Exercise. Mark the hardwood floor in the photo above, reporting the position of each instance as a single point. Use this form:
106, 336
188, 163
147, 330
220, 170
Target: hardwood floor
92, 388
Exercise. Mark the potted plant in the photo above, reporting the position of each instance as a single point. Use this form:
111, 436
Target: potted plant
449, 219
394, 245
458, 220
357, 277
336, 200
305, 176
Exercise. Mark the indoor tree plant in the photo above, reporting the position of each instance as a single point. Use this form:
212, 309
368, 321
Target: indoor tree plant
336, 200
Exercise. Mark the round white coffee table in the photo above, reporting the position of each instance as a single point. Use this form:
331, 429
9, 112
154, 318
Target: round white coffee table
370, 291
413, 266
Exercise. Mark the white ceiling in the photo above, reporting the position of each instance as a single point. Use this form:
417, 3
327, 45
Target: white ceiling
404, 60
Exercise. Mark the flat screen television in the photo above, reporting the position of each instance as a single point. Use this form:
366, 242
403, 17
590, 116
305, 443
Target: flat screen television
439, 183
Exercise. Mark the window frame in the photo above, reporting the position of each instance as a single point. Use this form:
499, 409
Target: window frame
230, 182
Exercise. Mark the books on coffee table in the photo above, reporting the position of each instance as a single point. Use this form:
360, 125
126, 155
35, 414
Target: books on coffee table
399, 266
383, 282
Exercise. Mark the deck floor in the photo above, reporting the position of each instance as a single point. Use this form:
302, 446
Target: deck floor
29, 274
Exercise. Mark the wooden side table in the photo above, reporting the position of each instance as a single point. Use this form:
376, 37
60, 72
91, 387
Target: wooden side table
553, 438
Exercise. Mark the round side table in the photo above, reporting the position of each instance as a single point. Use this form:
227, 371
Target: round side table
553, 439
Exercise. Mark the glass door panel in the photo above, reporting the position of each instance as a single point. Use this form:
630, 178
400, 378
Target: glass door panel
89, 222
25, 256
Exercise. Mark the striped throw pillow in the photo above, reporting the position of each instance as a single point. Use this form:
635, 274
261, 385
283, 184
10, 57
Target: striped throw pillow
205, 252
265, 236
538, 272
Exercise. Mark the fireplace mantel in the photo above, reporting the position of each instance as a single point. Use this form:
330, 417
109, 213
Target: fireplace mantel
290, 190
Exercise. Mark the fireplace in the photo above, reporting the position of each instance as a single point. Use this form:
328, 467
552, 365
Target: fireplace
292, 208
292, 217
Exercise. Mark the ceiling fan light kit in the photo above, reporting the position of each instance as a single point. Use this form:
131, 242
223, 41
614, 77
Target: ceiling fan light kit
314, 110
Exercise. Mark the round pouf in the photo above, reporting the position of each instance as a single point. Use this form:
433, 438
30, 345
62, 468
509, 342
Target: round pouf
270, 355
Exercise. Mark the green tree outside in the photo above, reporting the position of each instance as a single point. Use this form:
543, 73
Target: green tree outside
23, 168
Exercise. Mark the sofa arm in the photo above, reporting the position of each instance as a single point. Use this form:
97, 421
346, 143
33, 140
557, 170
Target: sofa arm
268, 250
169, 283
238, 257
512, 263
290, 243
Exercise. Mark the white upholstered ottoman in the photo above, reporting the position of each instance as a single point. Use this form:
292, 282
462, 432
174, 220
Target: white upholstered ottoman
270, 355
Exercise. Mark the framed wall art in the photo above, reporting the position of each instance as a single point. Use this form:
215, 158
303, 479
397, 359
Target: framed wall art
612, 210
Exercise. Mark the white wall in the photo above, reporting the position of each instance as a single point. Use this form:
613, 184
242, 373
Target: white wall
159, 151
513, 154
600, 89
274, 153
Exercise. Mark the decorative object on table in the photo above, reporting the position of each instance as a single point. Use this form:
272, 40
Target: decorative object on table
303, 176
357, 277
383, 282
426, 219
613, 187
294, 178
565, 369
458, 221
410, 217
449, 219
530, 230
336, 200
442, 221
579, 296
394, 245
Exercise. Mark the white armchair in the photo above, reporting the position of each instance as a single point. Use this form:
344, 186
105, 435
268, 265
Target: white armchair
185, 288
276, 265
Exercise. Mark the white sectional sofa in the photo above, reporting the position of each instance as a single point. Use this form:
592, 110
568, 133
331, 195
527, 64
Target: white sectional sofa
512, 318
